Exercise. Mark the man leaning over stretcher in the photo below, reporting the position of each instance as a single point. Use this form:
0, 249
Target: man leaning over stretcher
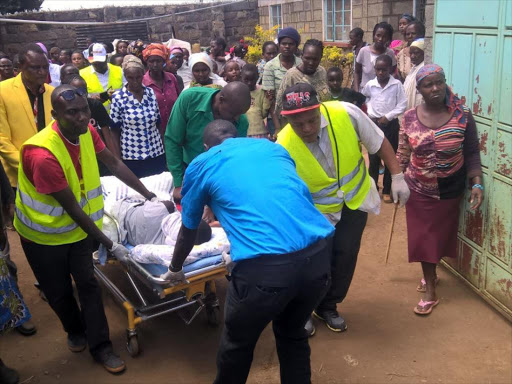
59, 208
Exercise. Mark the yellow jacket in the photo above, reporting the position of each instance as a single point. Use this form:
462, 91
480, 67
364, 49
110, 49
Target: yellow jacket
17, 123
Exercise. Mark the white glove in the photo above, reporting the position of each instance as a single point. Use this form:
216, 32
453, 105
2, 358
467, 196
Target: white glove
399, 189
174, 278
155, 200
119, 251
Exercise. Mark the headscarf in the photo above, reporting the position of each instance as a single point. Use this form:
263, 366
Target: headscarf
154, 49
200, 58
131, 61
175, 48
289, 32
136, 47
43, 47
418, 43
454, 104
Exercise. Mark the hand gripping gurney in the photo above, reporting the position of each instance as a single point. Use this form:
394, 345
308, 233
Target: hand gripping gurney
154, 296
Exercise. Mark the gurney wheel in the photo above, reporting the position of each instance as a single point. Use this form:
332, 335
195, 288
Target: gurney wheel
132, 345
213, 315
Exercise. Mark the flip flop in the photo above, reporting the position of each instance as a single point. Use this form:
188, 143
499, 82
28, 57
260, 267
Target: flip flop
423, 285
428, 305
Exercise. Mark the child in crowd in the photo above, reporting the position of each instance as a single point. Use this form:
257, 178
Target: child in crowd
78, 60
269, 51
334, 81
117, 59
237, 53
385, 97
232, 71
260, 105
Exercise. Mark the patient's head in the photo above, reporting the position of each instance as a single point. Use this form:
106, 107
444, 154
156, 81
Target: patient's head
204, 233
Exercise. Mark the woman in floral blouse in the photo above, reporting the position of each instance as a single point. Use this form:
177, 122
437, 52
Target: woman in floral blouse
436, 159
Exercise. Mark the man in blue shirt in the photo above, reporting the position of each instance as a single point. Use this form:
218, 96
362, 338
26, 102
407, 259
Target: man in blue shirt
279, 241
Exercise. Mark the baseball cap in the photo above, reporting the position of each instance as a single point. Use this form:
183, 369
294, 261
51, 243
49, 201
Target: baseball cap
299, 98
99, 53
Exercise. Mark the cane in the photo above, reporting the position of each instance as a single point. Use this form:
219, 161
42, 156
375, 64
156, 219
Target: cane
391, 231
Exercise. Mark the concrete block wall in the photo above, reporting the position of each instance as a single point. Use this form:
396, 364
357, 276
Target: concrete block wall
307, 15
231, 22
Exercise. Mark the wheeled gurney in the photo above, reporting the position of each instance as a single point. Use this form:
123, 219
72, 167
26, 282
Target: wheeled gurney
155, 297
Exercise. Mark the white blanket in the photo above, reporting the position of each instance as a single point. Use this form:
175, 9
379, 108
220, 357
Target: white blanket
162, 254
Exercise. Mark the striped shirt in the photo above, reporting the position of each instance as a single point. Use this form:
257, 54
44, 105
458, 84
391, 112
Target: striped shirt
274, 72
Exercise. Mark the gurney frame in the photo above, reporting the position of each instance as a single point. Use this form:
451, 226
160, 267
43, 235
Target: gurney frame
200, 291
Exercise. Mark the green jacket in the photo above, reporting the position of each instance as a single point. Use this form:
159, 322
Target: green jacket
184, 133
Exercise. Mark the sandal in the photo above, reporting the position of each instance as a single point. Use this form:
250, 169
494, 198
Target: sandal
423, 285
425, 307
387, 199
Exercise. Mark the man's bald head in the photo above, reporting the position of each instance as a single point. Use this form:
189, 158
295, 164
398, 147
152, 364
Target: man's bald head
235, 100
217, 131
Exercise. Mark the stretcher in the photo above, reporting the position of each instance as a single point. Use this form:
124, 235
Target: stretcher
155, 297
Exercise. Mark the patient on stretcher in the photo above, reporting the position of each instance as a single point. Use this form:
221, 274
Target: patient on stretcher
156, 223
153, 227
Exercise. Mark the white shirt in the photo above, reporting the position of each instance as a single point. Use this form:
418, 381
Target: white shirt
389, 101
368, 134
55, 74
103, 77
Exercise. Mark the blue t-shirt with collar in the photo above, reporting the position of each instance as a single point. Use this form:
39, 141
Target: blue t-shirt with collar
253, 188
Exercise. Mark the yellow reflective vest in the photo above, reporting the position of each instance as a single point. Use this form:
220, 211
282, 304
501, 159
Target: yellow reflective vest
353, 176
115, 80
39, 217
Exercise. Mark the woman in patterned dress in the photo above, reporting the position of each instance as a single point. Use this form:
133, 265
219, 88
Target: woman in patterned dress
13, 311
436, 159
136, 122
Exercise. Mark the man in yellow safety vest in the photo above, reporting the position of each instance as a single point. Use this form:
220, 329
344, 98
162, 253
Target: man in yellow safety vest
102, 78
324, 140
59, 208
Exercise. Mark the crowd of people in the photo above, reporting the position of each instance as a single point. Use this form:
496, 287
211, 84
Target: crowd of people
294, 210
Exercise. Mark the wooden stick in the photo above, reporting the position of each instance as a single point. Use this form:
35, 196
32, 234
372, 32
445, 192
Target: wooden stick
391, 231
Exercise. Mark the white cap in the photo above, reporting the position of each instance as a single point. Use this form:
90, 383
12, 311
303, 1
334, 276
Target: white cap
99, 53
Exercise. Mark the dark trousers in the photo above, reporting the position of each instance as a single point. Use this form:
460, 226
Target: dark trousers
283, 289
347, 241
391, 133
53, 267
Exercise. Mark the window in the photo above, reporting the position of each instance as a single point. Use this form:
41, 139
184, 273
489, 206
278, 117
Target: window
337, 19
275, 17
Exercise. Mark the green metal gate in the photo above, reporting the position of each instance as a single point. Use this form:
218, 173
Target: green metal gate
473, 43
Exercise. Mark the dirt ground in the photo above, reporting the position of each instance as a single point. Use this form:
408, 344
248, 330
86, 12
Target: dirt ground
463, 341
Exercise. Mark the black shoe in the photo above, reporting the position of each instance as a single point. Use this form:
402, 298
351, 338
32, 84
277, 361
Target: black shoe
310, 327
110, 361
8, 375
27, 328
77, 342
332, 319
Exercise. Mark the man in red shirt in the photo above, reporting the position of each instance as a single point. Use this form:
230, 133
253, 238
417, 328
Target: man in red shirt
52, 249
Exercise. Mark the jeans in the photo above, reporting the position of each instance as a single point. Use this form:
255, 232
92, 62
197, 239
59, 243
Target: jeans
53, 266
391, 133
347, 241
283, 289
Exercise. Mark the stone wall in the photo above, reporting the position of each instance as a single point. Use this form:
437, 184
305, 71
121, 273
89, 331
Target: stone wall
231, 21
307, 16
429, 25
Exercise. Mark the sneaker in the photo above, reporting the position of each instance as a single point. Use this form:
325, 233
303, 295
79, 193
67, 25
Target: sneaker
8, 375
27, 328
332, 319
310, 327
77, 342
110, 361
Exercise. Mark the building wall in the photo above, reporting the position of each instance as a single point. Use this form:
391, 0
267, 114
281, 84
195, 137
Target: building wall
231, 22
307, 16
